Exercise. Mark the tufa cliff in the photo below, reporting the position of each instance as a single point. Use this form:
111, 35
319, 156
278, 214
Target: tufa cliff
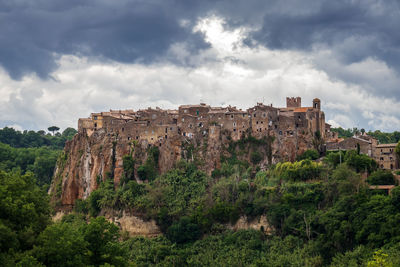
198, 133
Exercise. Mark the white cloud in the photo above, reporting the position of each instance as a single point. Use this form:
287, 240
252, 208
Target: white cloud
227, 73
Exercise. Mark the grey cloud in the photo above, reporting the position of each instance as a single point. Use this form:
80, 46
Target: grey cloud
34, 34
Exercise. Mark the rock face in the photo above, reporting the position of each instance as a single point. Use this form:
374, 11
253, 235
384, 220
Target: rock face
135, 226
260, 223
198, 133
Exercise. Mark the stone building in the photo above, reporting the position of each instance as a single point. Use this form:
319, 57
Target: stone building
367, 144
385, 156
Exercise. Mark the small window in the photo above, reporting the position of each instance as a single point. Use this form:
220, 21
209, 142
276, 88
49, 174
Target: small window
280, 132
95, 125
95, 117
234, 130
231, 116
197, 112
254, 115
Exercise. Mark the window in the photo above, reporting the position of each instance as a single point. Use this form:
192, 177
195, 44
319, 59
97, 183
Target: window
231, 116
197, 112
95, 117
254, 115
280, 132
234, 124
95, 125
185, 111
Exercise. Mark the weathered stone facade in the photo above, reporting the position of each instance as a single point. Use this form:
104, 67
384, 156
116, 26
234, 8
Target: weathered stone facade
386, 157
105, 137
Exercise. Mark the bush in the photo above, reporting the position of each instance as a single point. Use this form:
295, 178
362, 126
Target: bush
183, 231
300, 170
256, 157
381, 177
310, 154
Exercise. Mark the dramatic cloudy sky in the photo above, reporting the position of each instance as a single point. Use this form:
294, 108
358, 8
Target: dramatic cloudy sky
61, 60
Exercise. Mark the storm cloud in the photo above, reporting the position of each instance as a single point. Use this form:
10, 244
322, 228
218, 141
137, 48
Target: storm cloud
95, 55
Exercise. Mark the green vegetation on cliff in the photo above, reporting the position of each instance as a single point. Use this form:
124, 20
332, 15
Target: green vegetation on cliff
319, 214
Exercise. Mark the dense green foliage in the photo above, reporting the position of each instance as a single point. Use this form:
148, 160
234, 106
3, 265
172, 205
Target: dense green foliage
381, 177
32, 151
148, 171
35, 139
319, 214
383, 138
41, 161
310, 154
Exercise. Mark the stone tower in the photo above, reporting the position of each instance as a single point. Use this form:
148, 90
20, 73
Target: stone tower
316, 103
293, 102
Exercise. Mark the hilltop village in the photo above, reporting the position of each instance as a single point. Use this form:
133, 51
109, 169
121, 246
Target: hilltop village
292, 127
202, 134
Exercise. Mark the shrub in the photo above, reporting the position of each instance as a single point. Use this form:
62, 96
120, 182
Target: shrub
310, 154
183, 231
256, 157
381, 177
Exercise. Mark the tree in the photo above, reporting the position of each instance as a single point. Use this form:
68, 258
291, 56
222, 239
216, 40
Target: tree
24, 211
69, 132
318, 141
102, 237
397, 151
53, 129
381, 177
61, 244
183, 231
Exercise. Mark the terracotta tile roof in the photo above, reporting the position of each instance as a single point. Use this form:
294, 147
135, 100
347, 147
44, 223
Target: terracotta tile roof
301, 109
